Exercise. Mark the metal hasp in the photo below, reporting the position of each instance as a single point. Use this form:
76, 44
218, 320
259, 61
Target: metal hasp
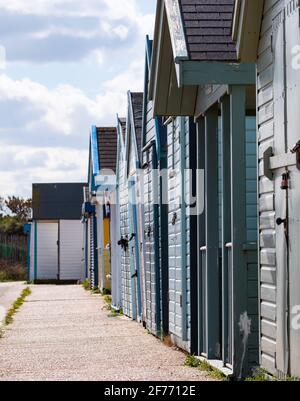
276, 162
296, 150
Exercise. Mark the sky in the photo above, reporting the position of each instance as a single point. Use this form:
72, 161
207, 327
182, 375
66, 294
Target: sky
65, 65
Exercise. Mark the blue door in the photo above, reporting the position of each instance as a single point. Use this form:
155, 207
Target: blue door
134, 253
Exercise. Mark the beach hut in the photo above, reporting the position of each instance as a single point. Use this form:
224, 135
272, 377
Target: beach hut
196, 78
99, 210
129, 195
155, 216
267, 33
56, 233
116, 250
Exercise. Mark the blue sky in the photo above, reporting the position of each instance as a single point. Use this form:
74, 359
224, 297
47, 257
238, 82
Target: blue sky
69, 64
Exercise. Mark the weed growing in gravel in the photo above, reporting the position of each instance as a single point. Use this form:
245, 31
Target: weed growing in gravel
86, 285
261, 375
194, 362
16, 306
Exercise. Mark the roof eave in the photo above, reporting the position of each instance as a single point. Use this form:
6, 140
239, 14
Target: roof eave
246, 28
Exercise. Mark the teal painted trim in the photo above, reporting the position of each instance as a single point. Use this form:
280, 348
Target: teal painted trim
132, 264
157, 137
86, 250
183, 228
137, 258
238, 225
35, 252
212, 300
217, 73
226, 232
94, 156
28, 252
96, 264
156, 245
201, 240
164, 267
145, 103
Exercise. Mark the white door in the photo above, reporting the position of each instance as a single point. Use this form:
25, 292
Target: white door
70, 252
47, 251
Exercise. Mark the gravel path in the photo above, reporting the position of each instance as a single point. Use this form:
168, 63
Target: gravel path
63, 333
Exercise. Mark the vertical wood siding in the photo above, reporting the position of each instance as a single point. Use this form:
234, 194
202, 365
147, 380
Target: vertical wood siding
266, 187
124, 226
176, 286
149, 240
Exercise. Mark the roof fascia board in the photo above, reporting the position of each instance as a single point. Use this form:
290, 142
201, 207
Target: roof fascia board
95, 164
146, 100
120, 148
246, 28
146, 86
236, 19
133, 131
94, 148
218, 73
157, 48
177, 34
130, 135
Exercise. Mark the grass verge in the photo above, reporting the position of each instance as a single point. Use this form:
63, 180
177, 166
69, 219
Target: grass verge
196, 363
10, 272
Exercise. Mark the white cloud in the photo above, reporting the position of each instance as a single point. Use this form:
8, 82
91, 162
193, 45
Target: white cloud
39, 165
44, 131
65, 117
112, 9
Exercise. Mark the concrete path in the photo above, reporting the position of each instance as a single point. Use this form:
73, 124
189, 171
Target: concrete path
9, 292
64, 333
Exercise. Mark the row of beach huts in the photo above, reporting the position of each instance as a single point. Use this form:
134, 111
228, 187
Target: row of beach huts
190, 214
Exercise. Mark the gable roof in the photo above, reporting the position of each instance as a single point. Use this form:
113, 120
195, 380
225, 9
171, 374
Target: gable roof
193, 46
208, 26
107, 148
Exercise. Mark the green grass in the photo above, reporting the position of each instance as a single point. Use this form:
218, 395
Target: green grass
16, 306
10, 272
261, 375
86, 285
204, 366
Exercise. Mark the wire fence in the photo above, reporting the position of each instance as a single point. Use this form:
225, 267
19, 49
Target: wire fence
13, 249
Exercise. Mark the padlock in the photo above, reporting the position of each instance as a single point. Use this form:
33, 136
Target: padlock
285, 181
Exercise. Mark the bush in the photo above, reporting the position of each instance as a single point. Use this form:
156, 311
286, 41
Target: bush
12, 272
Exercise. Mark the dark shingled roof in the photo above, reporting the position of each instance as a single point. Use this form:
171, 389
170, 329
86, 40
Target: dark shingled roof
107, 148
57, 201
137, 105
208, 29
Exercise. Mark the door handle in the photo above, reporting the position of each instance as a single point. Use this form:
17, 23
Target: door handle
280, 221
